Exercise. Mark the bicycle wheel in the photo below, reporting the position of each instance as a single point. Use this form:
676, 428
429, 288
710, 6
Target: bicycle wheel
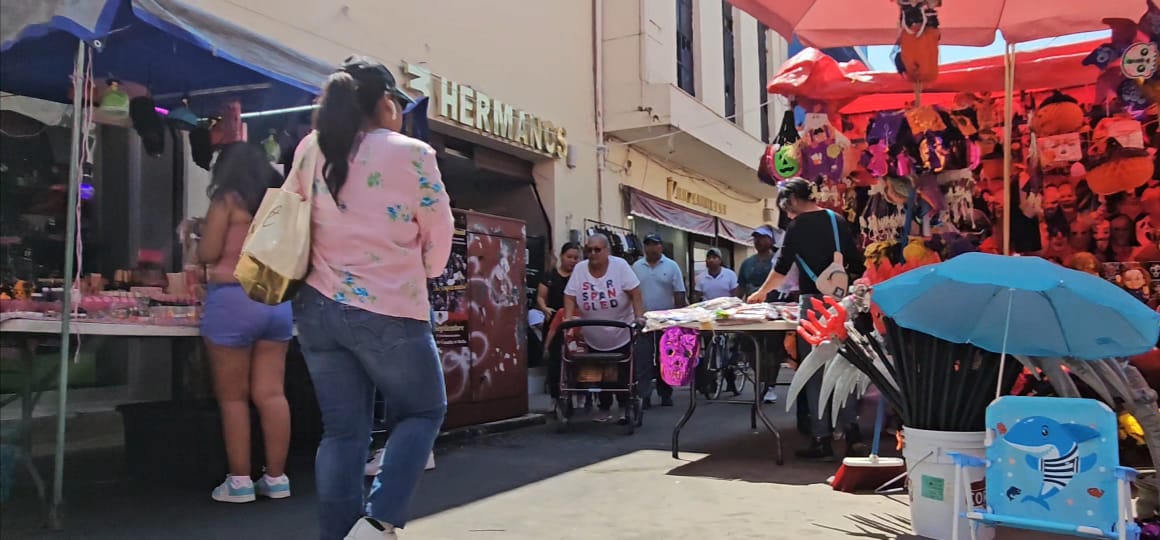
720, 372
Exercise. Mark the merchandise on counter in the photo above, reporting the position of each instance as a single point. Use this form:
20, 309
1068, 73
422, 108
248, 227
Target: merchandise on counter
720, 311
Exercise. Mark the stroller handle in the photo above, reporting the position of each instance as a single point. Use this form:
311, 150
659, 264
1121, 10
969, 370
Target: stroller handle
633, 328
580, 323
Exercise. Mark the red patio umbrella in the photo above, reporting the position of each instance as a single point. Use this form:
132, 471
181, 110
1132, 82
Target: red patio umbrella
846, 23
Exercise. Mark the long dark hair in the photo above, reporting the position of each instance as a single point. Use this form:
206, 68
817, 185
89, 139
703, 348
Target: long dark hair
345, 107
243, 169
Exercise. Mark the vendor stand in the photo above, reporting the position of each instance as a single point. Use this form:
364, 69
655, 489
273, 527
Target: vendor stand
173, 50
728, 316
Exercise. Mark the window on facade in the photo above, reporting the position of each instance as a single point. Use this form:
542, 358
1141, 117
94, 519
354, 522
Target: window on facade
685, 77
763, 75
730, 61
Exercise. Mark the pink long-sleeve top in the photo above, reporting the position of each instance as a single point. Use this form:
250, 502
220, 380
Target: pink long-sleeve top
388, 230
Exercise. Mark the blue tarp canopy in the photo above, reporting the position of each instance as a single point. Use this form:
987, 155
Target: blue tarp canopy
171, 47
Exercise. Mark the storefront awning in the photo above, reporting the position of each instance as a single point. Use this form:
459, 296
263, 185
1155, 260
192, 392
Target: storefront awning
734, 232
643, 205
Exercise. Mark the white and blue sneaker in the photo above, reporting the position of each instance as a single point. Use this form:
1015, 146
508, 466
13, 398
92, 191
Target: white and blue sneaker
273, 488
236, 489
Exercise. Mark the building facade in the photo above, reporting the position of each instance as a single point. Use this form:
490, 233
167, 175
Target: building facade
510, 83
516, 88
686, 119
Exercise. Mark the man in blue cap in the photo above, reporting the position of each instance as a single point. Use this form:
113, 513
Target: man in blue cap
662, 287
751, 276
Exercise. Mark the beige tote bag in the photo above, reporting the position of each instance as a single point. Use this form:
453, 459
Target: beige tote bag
276, 254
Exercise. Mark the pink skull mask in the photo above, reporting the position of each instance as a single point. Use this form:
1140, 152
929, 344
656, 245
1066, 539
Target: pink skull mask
680, 354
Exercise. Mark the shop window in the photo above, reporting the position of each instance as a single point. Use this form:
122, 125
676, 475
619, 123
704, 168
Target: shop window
763, 77
685, 76
730, 61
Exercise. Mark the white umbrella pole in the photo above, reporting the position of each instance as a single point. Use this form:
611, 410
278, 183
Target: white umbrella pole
1008, 130
55, 518
1003, 355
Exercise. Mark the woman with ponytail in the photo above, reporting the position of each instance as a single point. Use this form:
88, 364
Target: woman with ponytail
381, 227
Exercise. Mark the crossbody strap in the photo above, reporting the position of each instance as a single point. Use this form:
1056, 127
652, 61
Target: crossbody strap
837, 247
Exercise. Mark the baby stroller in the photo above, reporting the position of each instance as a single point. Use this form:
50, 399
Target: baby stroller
588, 373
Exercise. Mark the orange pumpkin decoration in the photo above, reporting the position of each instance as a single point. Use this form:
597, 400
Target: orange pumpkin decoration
1057, 115
1120, 174
919, 55
1120, 161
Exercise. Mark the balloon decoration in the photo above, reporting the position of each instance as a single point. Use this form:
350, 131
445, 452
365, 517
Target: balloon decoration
1130, 62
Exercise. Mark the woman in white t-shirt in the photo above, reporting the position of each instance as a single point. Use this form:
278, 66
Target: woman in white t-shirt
604, 287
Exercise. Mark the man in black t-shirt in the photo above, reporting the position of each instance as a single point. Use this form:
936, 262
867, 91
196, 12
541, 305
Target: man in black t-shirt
809, 241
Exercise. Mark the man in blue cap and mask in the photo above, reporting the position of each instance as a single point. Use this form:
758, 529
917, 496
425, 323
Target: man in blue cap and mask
662, 286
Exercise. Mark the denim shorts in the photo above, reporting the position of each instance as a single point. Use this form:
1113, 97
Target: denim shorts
231, 319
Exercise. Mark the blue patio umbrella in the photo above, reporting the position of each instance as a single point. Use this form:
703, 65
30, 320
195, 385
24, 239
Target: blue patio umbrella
1020, 305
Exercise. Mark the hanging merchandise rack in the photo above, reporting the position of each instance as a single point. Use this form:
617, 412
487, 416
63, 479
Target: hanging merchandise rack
622, 241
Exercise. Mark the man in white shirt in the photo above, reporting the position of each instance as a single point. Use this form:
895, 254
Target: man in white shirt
662, 286
604, 287
716, 281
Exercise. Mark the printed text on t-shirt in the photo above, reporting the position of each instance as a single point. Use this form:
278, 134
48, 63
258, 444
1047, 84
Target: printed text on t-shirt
592, 298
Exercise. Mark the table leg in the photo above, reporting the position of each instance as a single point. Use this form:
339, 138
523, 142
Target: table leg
29, 396
757, 411
688, 414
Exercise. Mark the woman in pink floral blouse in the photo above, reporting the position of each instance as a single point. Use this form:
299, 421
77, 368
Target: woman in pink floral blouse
381, 227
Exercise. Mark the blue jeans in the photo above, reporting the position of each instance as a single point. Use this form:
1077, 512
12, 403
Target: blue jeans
350, 352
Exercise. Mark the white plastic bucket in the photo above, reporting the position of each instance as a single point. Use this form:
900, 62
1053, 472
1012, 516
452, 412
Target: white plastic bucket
931, 480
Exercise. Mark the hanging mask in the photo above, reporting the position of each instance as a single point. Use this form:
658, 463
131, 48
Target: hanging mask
966, 120
766, 165
974, 155
923, 119
1132, 96
933, 152
876, 159
904, 164
822, 160
679, 355
1150, 23
786, 162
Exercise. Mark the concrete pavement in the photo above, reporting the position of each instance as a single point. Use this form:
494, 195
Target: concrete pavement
590, 483
533, 483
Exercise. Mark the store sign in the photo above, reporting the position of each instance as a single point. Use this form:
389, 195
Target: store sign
474, 109
676, 193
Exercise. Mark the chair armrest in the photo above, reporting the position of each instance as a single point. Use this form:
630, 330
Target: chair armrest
964, 460
1127, 473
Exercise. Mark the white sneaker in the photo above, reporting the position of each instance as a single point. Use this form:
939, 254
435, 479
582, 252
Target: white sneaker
430, 462
374, 464
770, 396
236, 489
370, 529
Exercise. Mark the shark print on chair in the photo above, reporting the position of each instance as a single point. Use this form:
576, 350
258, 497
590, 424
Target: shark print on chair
1053, 449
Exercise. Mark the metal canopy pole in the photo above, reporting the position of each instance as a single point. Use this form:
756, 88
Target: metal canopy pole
1008, 135
54, 516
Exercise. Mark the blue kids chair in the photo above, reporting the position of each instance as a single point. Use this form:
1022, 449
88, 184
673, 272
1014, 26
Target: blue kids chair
1053, 466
